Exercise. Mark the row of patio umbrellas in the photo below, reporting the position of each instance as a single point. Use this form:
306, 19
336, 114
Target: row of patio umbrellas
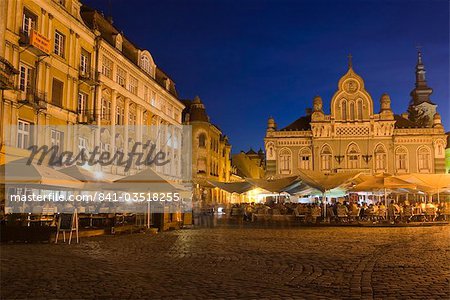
40, 176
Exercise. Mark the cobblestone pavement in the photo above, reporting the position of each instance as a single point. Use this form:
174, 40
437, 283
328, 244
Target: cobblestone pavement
232, 263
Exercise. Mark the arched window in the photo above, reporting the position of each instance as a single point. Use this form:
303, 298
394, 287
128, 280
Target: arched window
352, 111
285, 161
119, 42
305, 159
401, 159
353, 157
360, 110
423, 155
145, 64
344, 110
325, 158
202, 140
380, 159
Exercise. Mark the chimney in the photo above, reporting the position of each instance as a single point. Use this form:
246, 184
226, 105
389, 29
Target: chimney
308, 111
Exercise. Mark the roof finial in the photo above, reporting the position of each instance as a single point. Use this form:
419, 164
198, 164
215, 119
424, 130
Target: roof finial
419, 54
350, 64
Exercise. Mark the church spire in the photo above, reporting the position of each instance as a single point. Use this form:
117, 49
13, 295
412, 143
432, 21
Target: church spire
420, 71
421, 93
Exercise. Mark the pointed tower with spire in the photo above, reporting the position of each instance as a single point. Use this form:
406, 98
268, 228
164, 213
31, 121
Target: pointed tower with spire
421, 109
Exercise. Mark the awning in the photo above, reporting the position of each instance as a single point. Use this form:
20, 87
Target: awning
326, 182
274, 185
32, 175
233, 187
381, 182
147, 181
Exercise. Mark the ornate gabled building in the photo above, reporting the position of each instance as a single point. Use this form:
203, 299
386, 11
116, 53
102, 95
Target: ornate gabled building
354, 137
210, 153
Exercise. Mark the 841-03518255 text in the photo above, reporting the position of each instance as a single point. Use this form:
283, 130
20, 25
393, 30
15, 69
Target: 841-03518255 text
99, 197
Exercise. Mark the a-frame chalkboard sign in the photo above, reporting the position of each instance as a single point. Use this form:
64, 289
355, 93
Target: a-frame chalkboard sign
67, 222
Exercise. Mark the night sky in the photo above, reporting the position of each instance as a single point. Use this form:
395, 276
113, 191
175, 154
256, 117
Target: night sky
248, 60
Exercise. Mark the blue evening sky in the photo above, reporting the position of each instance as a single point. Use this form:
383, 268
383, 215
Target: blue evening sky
250, 59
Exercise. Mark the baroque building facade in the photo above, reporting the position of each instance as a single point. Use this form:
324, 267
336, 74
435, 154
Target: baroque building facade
211, 155
354, 137
44, 41
75, 67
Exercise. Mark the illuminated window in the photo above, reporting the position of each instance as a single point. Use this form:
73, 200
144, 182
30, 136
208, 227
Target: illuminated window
305, 159
133, 86
145, 64
120, 115
285, 161
325, 157
353, 157
401, 159
84, 62
82, 103
380, 159
121, 76
29, 21
423, 156
106, 109
107, 67
57, 139
23, 134
25, 76
59, 43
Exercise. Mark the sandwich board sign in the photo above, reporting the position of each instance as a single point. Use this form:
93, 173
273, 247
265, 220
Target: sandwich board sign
67, 222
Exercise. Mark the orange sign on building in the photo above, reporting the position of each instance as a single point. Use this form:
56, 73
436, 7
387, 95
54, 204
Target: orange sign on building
39, 41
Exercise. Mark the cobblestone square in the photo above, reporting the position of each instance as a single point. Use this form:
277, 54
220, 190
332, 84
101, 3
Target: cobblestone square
234, 263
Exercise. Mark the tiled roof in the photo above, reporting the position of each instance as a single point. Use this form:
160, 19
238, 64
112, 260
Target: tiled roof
96, 21
302, 123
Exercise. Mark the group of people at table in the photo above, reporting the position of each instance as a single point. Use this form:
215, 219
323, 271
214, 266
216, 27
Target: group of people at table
347, 211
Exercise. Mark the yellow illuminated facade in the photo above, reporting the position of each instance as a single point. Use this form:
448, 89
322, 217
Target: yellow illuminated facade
210, 153
75, 67
44, 41
354, 137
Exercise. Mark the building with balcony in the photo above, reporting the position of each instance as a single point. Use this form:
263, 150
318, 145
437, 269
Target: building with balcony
211, 155
47, 42
353, 137
131, 90
75, 67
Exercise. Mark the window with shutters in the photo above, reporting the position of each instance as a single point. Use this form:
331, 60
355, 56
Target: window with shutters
29, 21
57, 92
85, 58
25, 77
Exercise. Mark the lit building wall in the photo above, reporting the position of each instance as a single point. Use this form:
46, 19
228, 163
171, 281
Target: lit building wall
77, 68
210, 154
44, 40
355, 138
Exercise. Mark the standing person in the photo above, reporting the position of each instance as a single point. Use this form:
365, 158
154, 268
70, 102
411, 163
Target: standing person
391, 212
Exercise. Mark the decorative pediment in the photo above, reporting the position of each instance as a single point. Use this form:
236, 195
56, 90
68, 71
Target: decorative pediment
351, 101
